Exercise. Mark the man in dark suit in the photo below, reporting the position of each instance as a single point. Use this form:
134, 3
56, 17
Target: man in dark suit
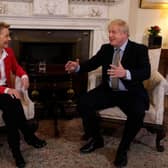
129, 72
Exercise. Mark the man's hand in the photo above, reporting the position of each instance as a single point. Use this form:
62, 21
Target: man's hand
14, 93
25, 83
116, 71
71, 66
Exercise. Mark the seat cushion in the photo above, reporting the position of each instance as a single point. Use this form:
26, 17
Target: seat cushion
116, 113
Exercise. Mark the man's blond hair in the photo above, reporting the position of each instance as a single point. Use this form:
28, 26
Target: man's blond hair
121, 23
4, 25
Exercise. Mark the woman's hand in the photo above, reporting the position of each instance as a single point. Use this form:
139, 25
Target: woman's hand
25, 83
14, 93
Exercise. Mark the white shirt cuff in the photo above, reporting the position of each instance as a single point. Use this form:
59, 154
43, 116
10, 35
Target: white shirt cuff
128, 75
6, 90
77, 69
24, 76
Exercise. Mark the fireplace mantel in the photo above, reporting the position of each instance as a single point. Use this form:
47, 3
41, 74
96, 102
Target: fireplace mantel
56, 22
96, 25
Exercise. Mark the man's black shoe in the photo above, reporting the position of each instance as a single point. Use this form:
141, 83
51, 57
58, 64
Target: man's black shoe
36, 142
92, 144
121, 159
20, 163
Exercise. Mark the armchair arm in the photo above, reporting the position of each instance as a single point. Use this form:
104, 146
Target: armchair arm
94, 79
27, 104
157, 88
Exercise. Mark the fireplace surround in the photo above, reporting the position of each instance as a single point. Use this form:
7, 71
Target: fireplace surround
55, 48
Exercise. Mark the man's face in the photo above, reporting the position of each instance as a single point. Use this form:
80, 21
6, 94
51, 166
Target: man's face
116, 36
4, 38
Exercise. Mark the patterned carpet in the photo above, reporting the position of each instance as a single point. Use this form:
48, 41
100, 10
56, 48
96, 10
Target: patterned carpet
63, 151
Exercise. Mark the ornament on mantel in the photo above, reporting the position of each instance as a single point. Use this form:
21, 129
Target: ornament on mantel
3, 8
154, 39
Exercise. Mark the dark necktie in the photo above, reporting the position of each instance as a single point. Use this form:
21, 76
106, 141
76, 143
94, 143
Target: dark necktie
116, 59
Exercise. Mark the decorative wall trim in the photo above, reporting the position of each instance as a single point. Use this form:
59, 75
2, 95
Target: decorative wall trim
76, 1
50, 7
88, 11
95, 1
17, 0
3, 8
53, 8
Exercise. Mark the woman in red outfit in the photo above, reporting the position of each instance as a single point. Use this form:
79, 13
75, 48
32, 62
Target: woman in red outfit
13, 114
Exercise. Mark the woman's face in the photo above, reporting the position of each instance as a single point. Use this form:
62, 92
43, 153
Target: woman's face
4, 38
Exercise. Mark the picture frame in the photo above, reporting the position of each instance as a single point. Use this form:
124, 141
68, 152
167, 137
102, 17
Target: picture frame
154, 4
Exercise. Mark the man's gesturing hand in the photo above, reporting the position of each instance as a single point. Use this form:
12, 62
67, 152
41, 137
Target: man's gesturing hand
116, 71
71, 66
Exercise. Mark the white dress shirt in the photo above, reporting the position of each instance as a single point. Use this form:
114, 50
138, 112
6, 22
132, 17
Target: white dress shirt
128, 74
2, 68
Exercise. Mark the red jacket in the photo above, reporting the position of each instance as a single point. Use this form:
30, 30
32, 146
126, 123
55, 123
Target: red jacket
11, 67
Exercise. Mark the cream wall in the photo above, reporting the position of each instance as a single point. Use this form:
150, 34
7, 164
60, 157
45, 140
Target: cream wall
141, 19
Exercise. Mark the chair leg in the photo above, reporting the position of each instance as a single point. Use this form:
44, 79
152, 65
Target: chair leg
160, 135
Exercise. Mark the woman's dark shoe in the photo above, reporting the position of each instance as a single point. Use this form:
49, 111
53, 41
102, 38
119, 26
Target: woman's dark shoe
20, 163
36, 142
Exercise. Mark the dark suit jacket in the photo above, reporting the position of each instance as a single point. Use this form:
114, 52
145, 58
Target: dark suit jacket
135, 59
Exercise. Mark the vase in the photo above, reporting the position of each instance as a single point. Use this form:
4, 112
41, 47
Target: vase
154, 41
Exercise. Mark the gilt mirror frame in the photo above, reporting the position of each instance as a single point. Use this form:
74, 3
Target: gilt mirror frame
154, 4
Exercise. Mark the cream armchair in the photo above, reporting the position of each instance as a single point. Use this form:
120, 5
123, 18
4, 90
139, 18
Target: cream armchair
157, 87
27, 104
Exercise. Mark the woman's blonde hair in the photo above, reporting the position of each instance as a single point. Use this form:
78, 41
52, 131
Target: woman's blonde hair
121, 23
4, 25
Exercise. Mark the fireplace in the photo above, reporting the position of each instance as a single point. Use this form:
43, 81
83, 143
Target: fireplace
54, 48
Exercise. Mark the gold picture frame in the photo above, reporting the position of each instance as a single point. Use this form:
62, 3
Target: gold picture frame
154, 4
